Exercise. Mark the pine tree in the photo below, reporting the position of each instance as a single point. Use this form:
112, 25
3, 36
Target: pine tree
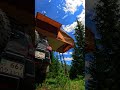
78, 63
54, 67
107, 24
91, 83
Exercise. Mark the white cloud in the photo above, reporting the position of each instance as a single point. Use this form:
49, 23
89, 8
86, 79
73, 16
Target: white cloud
43, 12
69, 28
72, 5
83, 3
60, 53
66, 53
59, 7
73, 32
70, 53
68, 59
64, 16
49, 0
81, 17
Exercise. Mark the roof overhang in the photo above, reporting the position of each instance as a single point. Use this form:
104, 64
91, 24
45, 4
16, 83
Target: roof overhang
57, 38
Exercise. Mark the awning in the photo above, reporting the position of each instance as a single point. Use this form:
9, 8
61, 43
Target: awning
57, 38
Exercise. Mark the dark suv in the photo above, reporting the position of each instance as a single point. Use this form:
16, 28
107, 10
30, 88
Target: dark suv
20, 63
17, 69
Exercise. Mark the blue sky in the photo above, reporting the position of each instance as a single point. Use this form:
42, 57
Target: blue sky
65, 12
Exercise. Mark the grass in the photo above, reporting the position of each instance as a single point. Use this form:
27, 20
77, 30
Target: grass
66, 84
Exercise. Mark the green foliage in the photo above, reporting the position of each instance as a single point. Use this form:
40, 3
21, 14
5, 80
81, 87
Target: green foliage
107, 62
107, 22
91, 85
52, 84
61, 80
54, 67
78, 64
57, 80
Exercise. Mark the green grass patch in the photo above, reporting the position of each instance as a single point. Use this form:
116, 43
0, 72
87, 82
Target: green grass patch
63, 84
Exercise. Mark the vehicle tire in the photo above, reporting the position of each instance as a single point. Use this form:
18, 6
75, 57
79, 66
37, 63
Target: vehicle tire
5, 30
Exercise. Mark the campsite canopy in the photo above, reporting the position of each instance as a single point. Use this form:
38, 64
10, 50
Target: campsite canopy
57, 38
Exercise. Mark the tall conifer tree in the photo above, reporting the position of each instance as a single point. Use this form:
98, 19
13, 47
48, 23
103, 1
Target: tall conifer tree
107, 59
78, 63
